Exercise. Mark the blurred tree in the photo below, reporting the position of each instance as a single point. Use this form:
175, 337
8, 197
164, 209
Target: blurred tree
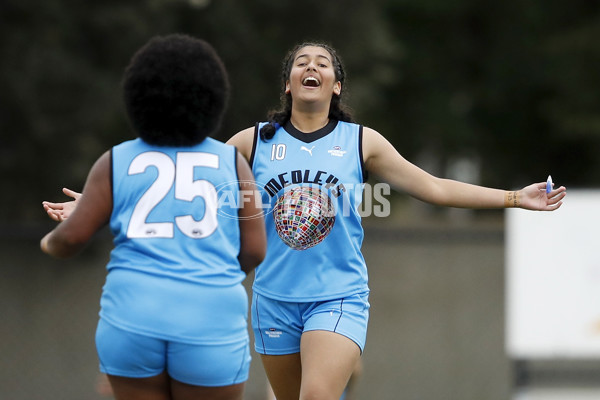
512, 84
63, 60
60, 71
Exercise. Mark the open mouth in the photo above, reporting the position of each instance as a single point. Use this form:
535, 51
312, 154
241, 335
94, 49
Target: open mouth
311, 81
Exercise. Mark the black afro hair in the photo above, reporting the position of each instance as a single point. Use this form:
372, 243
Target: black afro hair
175, 90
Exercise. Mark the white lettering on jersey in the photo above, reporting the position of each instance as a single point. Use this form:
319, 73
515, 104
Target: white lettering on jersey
278, 152
186, 188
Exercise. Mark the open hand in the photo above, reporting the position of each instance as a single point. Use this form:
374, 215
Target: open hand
534, 197
61, 211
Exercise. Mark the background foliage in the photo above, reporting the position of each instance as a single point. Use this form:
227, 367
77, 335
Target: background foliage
513, 85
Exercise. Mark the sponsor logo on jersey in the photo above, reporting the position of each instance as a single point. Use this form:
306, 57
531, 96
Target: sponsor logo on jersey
309, 151
337, 151
273, 333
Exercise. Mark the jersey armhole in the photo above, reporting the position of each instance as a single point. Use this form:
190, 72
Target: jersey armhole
237, 176
364, 172
254, 144
235, 166
111, 172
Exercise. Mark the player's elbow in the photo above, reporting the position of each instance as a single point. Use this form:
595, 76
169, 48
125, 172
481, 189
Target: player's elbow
251, 259
62, 246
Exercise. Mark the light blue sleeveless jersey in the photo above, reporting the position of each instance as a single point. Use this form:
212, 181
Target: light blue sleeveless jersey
174, 272
318, 167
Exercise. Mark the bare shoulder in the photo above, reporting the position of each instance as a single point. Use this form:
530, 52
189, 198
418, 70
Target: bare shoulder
104, 160
373, 143
370, 133
100, 171
243, 141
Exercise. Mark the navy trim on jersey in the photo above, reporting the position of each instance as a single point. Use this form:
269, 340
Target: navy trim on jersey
254, 141
310, 136
365, 173
111, 177
237, 176
235, 166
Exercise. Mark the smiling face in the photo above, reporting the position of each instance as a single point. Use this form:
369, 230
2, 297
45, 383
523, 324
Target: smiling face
312, 76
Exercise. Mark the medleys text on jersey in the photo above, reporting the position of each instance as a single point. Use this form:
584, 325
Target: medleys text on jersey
274, 185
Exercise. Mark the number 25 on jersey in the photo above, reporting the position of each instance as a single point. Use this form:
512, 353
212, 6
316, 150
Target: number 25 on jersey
180, 174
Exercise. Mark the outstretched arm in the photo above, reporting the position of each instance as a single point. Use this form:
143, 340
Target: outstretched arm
383, 161
91, 214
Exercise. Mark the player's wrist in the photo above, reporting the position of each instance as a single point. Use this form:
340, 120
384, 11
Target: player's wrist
512, 199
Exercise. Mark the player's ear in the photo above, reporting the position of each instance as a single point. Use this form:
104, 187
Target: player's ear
287, 87
337, 88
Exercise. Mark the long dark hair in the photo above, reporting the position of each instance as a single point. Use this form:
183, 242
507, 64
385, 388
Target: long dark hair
337, 109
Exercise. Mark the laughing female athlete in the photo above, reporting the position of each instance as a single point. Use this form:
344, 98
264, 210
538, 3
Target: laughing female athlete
310, 297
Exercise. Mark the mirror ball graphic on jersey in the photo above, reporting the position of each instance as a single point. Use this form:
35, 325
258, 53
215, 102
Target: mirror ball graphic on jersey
304, 216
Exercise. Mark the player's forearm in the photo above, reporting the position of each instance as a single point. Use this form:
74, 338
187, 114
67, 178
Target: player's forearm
451, 193
253, 244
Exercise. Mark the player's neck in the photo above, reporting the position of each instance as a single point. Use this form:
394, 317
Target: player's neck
309, 121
